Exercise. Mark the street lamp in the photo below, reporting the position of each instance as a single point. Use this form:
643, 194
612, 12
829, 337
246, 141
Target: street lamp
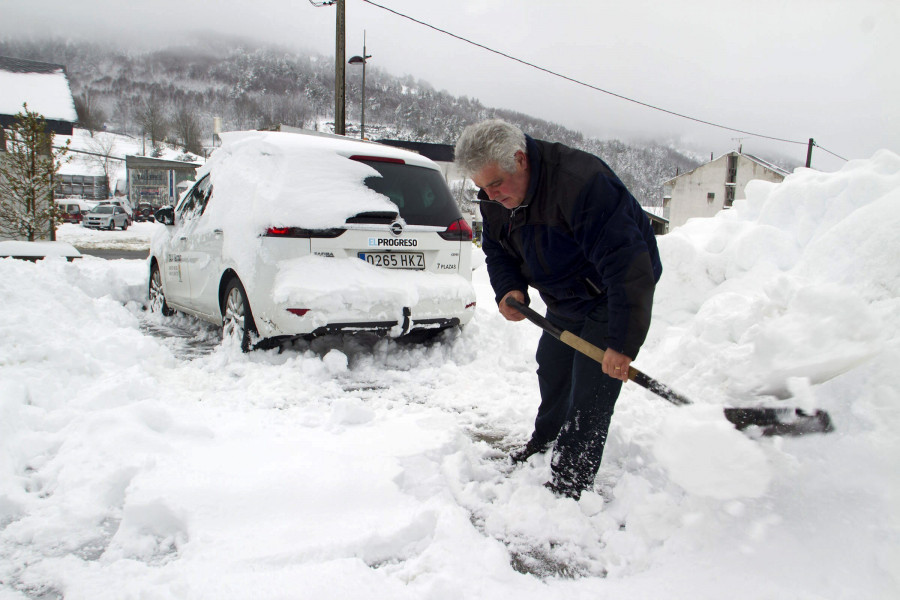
361, 60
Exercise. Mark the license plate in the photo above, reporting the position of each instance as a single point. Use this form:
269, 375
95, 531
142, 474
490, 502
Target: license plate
395, 260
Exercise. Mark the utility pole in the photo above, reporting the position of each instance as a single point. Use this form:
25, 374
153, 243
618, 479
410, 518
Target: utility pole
812, 143
340, 57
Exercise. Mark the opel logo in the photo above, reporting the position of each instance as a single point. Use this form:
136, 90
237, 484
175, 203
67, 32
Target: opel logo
397, 228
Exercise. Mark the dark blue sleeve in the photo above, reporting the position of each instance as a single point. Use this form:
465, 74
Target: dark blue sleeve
612, 229
503, 268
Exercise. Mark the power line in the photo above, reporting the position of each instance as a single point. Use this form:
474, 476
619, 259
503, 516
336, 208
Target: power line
588, 85
829, 152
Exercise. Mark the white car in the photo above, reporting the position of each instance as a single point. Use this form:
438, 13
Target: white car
290, 235
106, 216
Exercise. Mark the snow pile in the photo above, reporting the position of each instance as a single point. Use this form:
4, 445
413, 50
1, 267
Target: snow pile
38, 249
793, 283
129, 469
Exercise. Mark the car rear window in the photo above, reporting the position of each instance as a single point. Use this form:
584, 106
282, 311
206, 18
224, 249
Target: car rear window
421, 195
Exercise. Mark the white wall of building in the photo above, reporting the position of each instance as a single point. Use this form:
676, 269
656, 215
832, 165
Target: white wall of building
703, 191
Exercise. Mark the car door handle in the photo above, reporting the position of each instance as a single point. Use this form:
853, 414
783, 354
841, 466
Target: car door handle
217, 232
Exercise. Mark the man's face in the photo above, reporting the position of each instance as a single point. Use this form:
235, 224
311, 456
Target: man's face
508, 189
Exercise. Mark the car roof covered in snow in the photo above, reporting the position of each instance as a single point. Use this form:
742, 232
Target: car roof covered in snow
339, 145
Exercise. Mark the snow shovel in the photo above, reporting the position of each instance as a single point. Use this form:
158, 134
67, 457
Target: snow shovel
769, 421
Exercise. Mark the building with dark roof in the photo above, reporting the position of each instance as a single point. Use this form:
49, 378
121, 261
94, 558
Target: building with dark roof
45, 89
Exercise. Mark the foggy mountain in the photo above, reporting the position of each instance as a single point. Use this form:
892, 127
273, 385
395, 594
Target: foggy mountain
173, 94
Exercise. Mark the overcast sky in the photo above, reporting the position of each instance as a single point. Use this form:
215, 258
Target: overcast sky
790, 69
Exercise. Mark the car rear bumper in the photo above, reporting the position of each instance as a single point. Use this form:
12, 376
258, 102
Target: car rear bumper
387, 328
358, 297
278, 322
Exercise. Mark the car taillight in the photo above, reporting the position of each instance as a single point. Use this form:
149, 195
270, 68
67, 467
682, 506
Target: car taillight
361, 158
458, 230
298, 232
298, 311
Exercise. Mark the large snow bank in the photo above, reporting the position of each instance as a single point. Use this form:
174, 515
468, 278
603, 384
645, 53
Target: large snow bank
379, 472
792, 285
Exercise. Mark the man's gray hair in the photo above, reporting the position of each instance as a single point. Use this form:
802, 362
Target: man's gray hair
491, 141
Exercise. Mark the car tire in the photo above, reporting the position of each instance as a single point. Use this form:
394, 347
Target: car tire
237, 318
112, 224
124, 224
157, 296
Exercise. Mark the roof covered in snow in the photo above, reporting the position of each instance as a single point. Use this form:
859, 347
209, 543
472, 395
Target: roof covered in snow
767, 164
43, 86
763, 163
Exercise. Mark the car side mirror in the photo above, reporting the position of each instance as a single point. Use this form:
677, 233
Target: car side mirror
165, 215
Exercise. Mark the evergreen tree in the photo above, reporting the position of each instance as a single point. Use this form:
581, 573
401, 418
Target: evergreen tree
27, 172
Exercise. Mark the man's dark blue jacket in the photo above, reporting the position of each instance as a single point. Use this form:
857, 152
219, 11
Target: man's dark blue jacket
579, 238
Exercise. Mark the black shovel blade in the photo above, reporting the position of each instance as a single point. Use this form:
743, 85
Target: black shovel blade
780, 421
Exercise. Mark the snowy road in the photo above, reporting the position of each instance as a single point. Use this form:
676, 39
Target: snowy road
139, 458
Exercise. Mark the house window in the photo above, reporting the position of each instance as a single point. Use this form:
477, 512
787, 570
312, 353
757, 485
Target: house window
729, 195
711, 197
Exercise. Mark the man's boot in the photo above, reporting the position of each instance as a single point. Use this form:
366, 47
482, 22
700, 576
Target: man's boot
528, 450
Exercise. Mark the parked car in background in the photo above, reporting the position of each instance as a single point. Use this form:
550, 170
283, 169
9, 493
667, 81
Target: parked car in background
144, 212
289, 235
106, 216
70, 211
123, 204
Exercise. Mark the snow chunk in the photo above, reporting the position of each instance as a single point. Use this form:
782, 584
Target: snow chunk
707, 456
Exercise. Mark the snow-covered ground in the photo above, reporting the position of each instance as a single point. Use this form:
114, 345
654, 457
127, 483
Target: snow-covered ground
136, 237
141, 459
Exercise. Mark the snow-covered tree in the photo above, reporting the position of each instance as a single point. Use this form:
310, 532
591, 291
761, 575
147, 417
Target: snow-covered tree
152, 120
103, 149
465, 194
187, 128
27, 172
90, 115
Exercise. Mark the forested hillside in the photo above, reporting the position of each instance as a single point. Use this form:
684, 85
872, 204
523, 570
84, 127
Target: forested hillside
173, 94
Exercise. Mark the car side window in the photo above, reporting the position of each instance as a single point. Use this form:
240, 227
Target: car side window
195, 202
206, 196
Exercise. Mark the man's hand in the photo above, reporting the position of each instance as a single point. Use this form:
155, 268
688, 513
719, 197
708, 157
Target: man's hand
508, 312
615, 364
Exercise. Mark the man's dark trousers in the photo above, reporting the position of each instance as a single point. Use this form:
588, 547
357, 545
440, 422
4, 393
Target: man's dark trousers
577, 401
